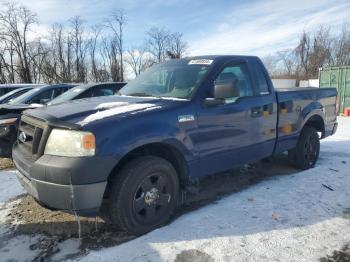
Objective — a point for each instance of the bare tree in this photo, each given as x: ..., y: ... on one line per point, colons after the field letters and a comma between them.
x: 93, y: 44
x: 116, y: 23
x: 177, y: 47
x: 58, y: 63
x: 320, y: 54
x: 109, y: 53
x: 15, y: 24
x: 38, y: 52
x: 157, y: 43
x: 340, y: 49
x: 80, y: 47
x: 303, y: 53
x: 138, y: 60
x: 289, y: 62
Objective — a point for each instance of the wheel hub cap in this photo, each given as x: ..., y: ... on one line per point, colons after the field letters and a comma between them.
x: 151, y: 196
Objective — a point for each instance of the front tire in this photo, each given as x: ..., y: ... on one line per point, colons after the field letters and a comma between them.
x: 305, y: 154
x: 144, y: 195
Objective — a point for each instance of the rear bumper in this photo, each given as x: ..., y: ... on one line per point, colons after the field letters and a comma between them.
x: 331, y: 129
x: 335, y: 128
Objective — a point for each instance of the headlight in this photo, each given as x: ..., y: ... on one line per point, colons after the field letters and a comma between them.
x: 70, y: 143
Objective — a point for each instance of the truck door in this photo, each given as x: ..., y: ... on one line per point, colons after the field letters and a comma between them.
x: 228, y: 134
x: 265, y: 110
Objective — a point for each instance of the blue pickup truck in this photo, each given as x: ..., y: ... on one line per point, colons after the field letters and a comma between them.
x: 174, y: 124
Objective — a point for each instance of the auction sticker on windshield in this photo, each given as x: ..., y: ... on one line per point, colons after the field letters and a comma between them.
x: 200, y: 62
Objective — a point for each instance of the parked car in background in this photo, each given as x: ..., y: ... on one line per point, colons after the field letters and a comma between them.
x: 10, y: 113
x: 8, y: 97
x: 5, y: 88
x: 89, y: 90
x: 176, y: 123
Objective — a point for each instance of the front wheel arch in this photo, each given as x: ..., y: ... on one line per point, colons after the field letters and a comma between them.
x: 162, y: 150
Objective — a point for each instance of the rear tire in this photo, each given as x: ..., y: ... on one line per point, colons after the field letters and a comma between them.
x: 144, y: 195
x: 305, y: 154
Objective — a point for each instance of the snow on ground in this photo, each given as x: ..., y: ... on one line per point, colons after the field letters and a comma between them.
x: 9, y: 186
x: 285, y: 218
x: 295, y: 217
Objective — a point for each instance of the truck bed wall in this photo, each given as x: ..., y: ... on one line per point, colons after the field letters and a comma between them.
x: 296, y: 106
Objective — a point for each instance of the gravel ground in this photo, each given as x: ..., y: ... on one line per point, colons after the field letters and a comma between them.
x: 6, y: 163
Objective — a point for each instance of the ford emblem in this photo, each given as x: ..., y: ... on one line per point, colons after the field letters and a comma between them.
x: 22, y: 137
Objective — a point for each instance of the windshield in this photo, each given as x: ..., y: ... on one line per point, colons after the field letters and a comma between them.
x: 176, y: 78
x: 69, y: 95
x: 13, y: 94
x: 22, y: 99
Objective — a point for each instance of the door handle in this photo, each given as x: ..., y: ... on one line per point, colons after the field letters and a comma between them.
x: 256, y: 111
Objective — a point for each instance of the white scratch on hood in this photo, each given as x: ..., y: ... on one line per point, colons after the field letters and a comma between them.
x: 111, y: 105
x: 120, y: 108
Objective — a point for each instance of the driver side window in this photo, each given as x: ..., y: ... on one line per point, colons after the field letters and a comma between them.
x: 238, y: 74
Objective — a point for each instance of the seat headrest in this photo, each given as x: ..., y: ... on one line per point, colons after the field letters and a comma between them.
x: 228, y: 76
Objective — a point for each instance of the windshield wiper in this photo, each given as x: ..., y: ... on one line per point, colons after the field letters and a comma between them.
x: 138, y: 94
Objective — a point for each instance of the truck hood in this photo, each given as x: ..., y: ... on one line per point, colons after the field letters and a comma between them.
x: 85, y: 111
x: 16, y: 108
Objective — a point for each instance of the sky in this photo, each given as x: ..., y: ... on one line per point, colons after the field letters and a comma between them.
x: 209, y: 26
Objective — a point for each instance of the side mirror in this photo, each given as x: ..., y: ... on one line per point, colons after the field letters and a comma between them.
x: 226, y: 89
x: 223, y: 89
x: 44, y: 100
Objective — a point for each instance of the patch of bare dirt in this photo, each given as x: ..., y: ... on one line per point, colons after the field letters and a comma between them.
x: 342, y: 255
x: 6, y: 163
x: 193, y: 255
x: 29, y: 217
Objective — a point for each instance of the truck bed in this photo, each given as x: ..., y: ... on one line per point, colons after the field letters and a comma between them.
x: 294, y: 105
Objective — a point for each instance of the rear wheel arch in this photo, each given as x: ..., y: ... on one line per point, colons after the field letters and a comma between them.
x: 317, y: 122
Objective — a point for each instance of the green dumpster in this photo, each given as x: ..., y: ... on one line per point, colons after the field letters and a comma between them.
x: 338, y: 77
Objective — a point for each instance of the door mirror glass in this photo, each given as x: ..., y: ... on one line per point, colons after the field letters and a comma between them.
x: 227, y: 88
x: 44, y: 100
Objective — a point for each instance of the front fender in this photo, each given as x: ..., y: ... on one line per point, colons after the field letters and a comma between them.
x: 129, y: 135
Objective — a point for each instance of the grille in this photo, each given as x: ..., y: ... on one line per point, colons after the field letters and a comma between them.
x: 31, y: 136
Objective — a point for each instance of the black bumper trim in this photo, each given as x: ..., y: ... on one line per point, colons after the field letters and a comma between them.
x: 83, y: 199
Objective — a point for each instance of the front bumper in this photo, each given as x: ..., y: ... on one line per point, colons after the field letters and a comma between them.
x: 84, y: 200
x: 63, y: 183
